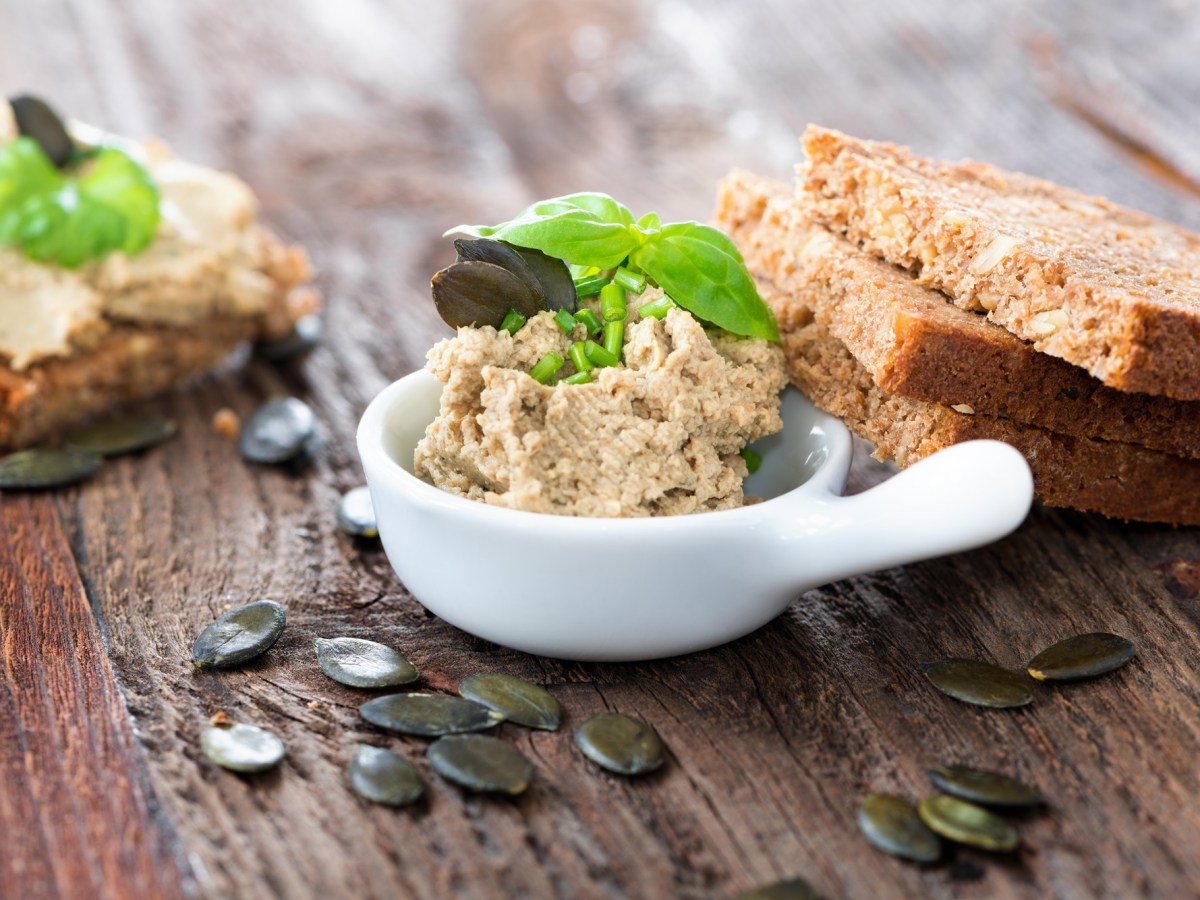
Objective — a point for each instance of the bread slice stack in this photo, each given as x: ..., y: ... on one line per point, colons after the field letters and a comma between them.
x: 930, y: 303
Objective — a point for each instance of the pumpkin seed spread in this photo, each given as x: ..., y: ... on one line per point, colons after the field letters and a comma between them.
x: 659, y: 435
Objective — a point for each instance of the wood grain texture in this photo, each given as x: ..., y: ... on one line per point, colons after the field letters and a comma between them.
x: 367, y: 128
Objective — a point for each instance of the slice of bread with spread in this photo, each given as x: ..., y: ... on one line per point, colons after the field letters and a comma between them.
x: 917, y: 344
x: 77, y: 341
x: 1106, y: 288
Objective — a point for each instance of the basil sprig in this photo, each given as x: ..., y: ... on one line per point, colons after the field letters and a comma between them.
x: 698, y: 266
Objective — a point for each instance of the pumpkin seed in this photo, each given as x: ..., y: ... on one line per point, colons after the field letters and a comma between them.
x: 620, y: 744
x: 36, y: 119
x: 382, y: 776
x: 549, y: 276
x: 963, y: 822
x: 363, y: 664
x: 481, y: 293
x: 279, y: 431
x: 114, y: 437
x: 239, y: 636
x: 982, y: 786
x: 481, y: 763
x: 892, y: 825
x: 978, y: 682
x: 516, y: 699
x: 32, y: 469
x: 792, y: 889
x: 428, y: 715
x: 299, y: 342
x: 241, y: 748
x: 1082, y: 656
x: 356, y: 513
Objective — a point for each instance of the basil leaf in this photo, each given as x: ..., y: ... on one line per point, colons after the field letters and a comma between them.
x: 700, y: 269
x: 124, y: 190
x: 604, y: 207
x: 574, y: 234
x: 649, y: 222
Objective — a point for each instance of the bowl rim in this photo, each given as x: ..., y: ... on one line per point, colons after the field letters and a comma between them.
x: 380, y: 463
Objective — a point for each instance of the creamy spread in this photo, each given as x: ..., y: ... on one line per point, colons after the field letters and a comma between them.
x: 659, y: 435
x: 206, y: 260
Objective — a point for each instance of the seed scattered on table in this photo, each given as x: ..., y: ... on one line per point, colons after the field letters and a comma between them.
x: 382, y: 776
x: 356, y: 513
x: 892, y: 825
x: 428, y: 715
x: 239, y: 635
x: 620, y: 744
x: 360, y: 663
x: 514, y: 698
x: 114, y: 437
x: 965, y: 823
x: 982, y: 786
x: 1082, y: 656
x: 241, y: 748
x: 481, y: 763
x: 980, y: 683
x: 35, y: 469
x: 279, y: 431
x: 791, y: 889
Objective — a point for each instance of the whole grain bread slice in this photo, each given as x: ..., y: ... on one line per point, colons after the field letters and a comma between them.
x: 1123, y: 481
x: 917, y: 344
x: 1107, y: 288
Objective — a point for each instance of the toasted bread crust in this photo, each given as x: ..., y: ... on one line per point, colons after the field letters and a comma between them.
x: 1109, y: 289
x: 1123, y: 481
x: 917, y: 344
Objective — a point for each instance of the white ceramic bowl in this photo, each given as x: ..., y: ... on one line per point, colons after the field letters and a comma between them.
x: 627, y: 589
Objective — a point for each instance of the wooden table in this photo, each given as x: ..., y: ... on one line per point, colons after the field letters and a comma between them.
x: 367, y: 129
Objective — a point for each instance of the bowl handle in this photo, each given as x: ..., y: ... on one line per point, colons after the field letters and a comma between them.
x: 959, y: 498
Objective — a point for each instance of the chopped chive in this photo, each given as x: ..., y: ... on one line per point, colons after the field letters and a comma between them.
x: 656, y: 308
x: 599, y: 355
x: 546, y: 367
x: 614, y: 337
x: 565, y: 321
x: 753, y: 459
x: 579, y: 378
x: 591, y: 286
x: 589, y: 319
x: 612, y: 303
x: 579, y: 357
x: 513, y: 322
x: 634, y: 281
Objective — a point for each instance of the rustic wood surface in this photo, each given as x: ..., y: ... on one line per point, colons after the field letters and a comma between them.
x: 367, y: 129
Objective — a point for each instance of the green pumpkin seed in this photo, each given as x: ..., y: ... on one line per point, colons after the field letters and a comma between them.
x: 620, y: 744
x: 240, y: 635
x: 480, y: 293
x: 1082, y: 656
x: 299, y: 342
x: 382, y: 776
x: 982, y: 786
x: 978, y: 682
x: 481, y: 763
x: 279, y: 431
x: 363, y: 664
x: 963, y: 822
x: 428, y: 715
x: 33, y: 469
x: 356, y: 513
x: 892, y: 825
x: 516, y: 699
x: 792, y: 889
x: 114, y: 437
x: 549, y: 276
x: 241, y: 748
x: 36, y: 119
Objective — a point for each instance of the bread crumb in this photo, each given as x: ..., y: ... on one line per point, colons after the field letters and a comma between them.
x: 965, y: 408
x: 220, y: 719
x: 227, y: 424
